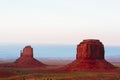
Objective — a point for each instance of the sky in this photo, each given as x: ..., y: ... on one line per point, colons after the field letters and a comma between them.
x: 59, y: 21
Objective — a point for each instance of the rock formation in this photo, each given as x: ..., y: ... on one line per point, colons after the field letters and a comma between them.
x: 26, y: 58
x: 90, y: 49
x: 27, y: 52
x: 90, y: 55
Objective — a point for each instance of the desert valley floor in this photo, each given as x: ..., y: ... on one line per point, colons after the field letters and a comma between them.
x: 51, y: 73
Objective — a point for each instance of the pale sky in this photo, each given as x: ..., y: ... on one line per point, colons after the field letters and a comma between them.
x: 59, y: 21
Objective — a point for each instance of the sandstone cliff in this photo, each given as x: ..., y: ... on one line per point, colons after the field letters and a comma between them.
x: 90, y: 55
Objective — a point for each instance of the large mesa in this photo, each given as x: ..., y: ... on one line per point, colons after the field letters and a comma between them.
x: 90, y: 49
x: 90, y: 56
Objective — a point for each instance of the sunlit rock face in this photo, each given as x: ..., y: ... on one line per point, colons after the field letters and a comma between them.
x: 90, y: 49
x: 90, y: 56
x: 26, y: 58
x: 27, y: 52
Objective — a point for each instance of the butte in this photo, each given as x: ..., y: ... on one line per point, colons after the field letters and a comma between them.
x: 90, y: 56
x: 26, y: 59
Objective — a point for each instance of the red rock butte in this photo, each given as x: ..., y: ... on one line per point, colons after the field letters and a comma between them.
x: 90, y: 49
x: 90, y: 55
x: 27, y: 60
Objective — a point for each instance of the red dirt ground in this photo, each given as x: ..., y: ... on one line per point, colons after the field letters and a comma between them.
x: 6, y: 74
